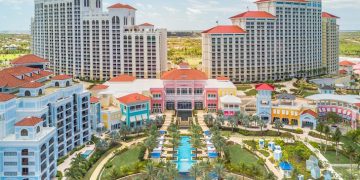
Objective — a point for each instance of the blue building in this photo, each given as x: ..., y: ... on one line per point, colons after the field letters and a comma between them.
x: 135, y: 109
x: 327, y: 90
x: 30, y: 152
x: 95, y: 115
x: 263, y: 101
x: 56, y: 111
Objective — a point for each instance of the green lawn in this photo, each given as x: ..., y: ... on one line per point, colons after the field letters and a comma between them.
x: 240, y: 155
x: 8, y: 56
x: 125, y: 159
x: 341, y: 159
x: 345, y: 172
x: 252, y: 92
x: 243, y: 87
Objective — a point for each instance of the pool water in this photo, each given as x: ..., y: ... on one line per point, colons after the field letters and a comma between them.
x: 86, y: 154
x: 184, y: 161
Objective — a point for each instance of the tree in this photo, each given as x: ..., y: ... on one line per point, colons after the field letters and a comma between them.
x: 195, y: 170
x: 320, y: 128
x: 336, y: 137
x: 246, y: 121
x: 175, y: 141
x: 124, y: 131
x: 351, y: 151
x: 278, y: 125
x: 170, y: 170
x: 219, y: 170
x: 196, y: 143
x: 150, y: 171
x: 332, y: 118
x: 233, y: 123
x: 327, y: 134
x: 261, y: 124
x: 270, y: 176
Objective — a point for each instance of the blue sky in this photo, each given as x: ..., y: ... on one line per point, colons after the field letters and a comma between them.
x: 179, y: 14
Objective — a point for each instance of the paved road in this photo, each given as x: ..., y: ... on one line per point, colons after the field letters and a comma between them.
x: 99, y: 168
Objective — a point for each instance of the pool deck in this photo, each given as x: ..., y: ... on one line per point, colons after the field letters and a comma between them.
x: 66, y: 164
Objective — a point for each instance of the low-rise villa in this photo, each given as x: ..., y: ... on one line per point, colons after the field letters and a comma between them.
x: 182, y: 90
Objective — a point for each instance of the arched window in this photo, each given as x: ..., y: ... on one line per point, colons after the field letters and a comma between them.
x: 67, y: 83
x: 25, y: 152
x: 98, y: 4
x: 27, y: 93
x: 57, y: 84
x: 38, y: 129
x: 40, y: 92
x: 24, y: 132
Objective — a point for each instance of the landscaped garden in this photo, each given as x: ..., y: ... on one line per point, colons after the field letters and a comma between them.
x: 339, y: 159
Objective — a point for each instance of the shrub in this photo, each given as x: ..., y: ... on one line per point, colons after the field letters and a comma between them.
x: 59, y: 175
x: 142, y: 153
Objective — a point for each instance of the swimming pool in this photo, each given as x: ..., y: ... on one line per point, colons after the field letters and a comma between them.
x: 184, y: 157
x: 86, y: 154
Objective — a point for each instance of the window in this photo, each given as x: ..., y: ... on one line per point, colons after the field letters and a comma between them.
x: 40, y: 92
x: 211, y: 96
x: 57, y: 84
x: 10, y: 154
x: 24, y: 132
x: 27, y: 93
x: 198, y: 91
x: 170, y: 91
x: 67, y: 83
x: 24, y: 152
x: 156, y: 96
x: 38, y: 129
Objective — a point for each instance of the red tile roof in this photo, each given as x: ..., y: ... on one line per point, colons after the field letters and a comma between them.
x: 264, y: 87
x: 347, y: 63
x: 311, y: 112
x: 230, y: 29
x: 300, y: 1
x: 31, y: 121
x: 28, y: 59
x: 146, y: 24
x: 328, y: 15
x: 184, y: 74
x: 343, y: 71
x: 61, y: 77
x: 94, y: 100
x: 6, y: 97
x: 99, y: 87
x: 223, y: 78
x: 10, y: 77
x: 133, y: 98
x: 32, y: 85
x: 121, y: 6
x: 123, y: 78
x: 254, y: 14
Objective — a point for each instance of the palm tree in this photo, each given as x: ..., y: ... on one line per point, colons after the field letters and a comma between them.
x: 246, y: 121
x: 261, y: 124
x: 170, y: 170
x: 124, y: 131
x: 196, y: 143
x: 175, y: 141
x: 270, y: 176
x: 219, y: 170
x: 150, y: 143
x: 336, y: 137
x: 150, y: 171
x: 327, y: 134
x: 233, y: 123
x: 351, y: 151
x: 114, y: 174
x: 278, y: 125
x: 195, y: 170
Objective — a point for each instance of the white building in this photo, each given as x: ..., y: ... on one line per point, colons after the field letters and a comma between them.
x: 81, y: 39
x: 330, y: 36
x: 281, y: 40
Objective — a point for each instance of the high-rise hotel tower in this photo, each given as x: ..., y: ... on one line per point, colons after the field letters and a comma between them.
x: 81, y: 39
x: 283, y: 39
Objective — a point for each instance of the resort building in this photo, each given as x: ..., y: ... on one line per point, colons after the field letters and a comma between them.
x: 80, y: 39
x: 182, y: 90
x: 347, y: 106
x: 285, y: 109
x: 346, y: 67
x: 30, y: 152
x: 330, y: 43
x: 47, y: 115
x: 282, y: 39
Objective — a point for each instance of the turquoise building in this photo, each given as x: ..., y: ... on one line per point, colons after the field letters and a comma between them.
x: 135, y: 110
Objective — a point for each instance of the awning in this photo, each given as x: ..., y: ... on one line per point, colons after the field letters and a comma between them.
x: 144, y: 116
x: 123, y: 118
x: 132, y: 119
x: 138, y: 118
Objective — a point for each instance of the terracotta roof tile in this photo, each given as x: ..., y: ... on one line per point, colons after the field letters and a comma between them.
x: 265, y: 87
x: 6, y: 97
x: 231, y: 29
x: 254, y: 14
x: 328, y: 15
x: 32, y: 85
x: 121, y: 6
x: 20, y: 75
x: 347, y: 63
x: 223, y: 78
x: 311, y: 112
x: 99, y: 87
x: 123, y: 78
x: 184, y: 74
x: 94, y: 100
x: 31, y: 121
x: 61, y: 77
x: 343, y: 71
x: 28, y: 59
x: 133, y: 98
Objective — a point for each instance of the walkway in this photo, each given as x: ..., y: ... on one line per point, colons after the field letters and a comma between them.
x: 200, y: 115
x: 101, y: 165
x: 67, y: 163
x: 167, y: 122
